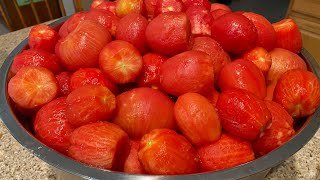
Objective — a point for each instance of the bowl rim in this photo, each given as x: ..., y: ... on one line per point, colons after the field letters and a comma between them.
x: 64, y: 163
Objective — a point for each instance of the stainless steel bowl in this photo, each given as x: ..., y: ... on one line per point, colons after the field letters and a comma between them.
x: 257, y: 169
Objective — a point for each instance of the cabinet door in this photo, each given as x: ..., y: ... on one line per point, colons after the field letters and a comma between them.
x: 23, y: 15
x: 307, y: 15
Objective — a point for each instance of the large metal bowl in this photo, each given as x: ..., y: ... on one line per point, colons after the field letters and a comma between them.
x: 21, y: 131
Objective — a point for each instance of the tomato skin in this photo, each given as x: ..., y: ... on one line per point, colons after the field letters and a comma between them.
x: 43, y: 37
x: 132, y: 28
x: 81, y: 48
x: 93, y: 76
x: 141, y: 110
x: 243, y: 74
x: 120, y: 61
x: 280, y: 131
x: 197, y: 119
x: 132, y: 164
x: 163, y: 151
x: 227, y: 152
x: 243, y: 114
x: 36, y: 57
x: 190, y: 71
x: 52, y: 127
x: 90, y: 103
x: 33, y: 87
x: 100, y: 144
x: 150, y: 75
x: 298, y: 91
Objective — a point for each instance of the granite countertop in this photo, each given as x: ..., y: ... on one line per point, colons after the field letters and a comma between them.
x: 18, y: 163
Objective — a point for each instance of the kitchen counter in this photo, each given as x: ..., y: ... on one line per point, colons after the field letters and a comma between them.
x: 18, y: 163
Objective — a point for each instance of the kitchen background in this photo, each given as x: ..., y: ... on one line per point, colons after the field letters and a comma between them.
x: 274, y: 10
x: 17, y: 14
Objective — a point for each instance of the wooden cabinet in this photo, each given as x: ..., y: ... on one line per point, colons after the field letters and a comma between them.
x: 19, y: 16
x: 307, y: 15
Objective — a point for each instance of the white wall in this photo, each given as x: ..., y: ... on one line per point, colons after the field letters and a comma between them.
x: 69, y: 7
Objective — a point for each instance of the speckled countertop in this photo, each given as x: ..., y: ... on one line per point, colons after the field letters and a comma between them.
x: 18, y: 163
